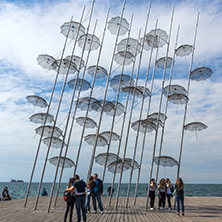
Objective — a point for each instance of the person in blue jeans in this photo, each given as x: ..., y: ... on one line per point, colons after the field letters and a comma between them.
x: 179, y: 195
x: 98, y: 191
x: 79, y: 187
x: 90, y: 192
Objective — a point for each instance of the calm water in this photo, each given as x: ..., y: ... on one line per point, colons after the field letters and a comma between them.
x: 18, y: 190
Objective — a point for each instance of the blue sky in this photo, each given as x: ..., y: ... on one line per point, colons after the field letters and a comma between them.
x: 30, y: 28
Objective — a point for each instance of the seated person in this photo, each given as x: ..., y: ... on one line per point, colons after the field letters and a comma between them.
x: 44, y: 192
x: 4, y: 194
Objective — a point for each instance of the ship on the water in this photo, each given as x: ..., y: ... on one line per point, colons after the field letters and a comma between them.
x: 12, y: 180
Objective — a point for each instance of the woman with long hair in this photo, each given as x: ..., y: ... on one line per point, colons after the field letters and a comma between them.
x: 70, y: 201
x: 168, y: 192
x: 90, y: 192
x: 162, y: 194
x: 179, y: 195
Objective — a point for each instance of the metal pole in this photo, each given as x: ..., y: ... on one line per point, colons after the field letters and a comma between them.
x: 124, y: 152
x: 50, y: 101
x: 105, y: 92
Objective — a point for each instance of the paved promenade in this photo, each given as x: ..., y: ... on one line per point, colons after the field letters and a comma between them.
x: 197, y: 209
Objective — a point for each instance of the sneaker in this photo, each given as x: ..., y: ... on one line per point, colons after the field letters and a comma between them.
x: 151, y: 208
x: 178, y: 215
x: 161, y: 208
x: 183, y: 214
x: 94, y: 212
x: 101, y: 212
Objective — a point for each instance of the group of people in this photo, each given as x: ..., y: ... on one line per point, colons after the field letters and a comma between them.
x: 80, y: 193
x: 165, y: 190
x: 5, y: 195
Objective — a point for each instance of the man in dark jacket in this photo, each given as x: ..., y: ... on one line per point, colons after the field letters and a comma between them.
x: 98, y: 191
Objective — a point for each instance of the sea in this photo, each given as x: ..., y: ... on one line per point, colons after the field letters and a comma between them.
x: 18, y: 190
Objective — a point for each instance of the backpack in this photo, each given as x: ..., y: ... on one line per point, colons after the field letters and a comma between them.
x: 66, y: 196
x: 172, y: 189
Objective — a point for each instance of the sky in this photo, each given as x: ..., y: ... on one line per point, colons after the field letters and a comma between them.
x: 31, y: 28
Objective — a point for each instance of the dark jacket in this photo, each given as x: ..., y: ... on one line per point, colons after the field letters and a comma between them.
x: 100, y: 186
x: 178, y: 192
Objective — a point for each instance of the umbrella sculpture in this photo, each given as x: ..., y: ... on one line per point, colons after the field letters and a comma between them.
x: 119, y: 109
x: 114, y: 24
x: 154, y: 120
x: 85, y: 84
x: 83, y: 102
x: 161, y: 62
x: 165, y: 161
x: 178, y: 98
x: 45, y: 61
x: 68, y: 163
x: 201, y: 74
x: 160, y: 36
x: 149, y: 42
x: 55, y: 142
x: 155, y: 115
x: 48, y: 131
x: 106, y: 134
x: 77, y: 61
x: 89, y: 38
x: 37, y: 101
x: 100, y: 72
x: 184, y: 50
x: 174, y: 89
x: 195, y: 126
x: 143, y: 125
x: 66, y: 65
x: 135, y: 166
x: 90, y: 123
x: 40, y: 118
x: 122, y: 56
x: 125, y: 81
x: 101, y: 158
x: 130, y: 45
x: 132, y: 90
x: 147, y: 91
x: 102, y: 141
x: 74, y: 27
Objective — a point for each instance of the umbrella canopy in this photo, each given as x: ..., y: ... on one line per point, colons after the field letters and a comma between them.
x: 90, y: 139
x: 160, y: 36
x: 135, y: 166
x: 144, y: 124
x: 201, y: 74
x: 45, y: 61
x: 155, y: 115
x: 174, y: 89
x: 77, y: 61
x: 37, y: 101
x: 68, y: 163
x: 132, y: 90
x: 40, y: 118
x: 147, y: 91
x: 161, y: 62
x: 85, y: 84
x: 184, y: 50
x: 149, y: 41
x: 56, y: 142
x: 114, y: 24
x: 125, y: 81
x: 89, y: 38
x: 121, y: 56
x: 101, y: 158
x: 100, y: 72
x: 130, y: 45
x: 90, y: 123
x: 165, y: 161
x: 178, y: 98
x: 48, y: 131
x: 106, y: 134
x: 119, y: 109
x: 74, y: 27
x: 83, y: 102
x: 155, y: 120
x: 118, y: 165
x: 66, y: 65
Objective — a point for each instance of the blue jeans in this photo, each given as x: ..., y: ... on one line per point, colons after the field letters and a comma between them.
x: 180, y: 199
x: 98, y: 197
x: 87, y: 205
x: 80, y: 204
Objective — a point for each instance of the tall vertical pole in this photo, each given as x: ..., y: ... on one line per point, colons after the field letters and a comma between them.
x: 49, y: 105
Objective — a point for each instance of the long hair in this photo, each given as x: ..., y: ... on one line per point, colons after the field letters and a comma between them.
x: 90, y: 181
x: 179, y: 183
x: 71, y: 181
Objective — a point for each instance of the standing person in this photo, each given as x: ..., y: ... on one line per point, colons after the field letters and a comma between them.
x: 168, y: 192
x: 162, y: 194
x: 98, y: 191
x: 152, y: 193
x: 70, y: 201
x: 89, y: 193
x: 179, y: 195
x: 110, y: 191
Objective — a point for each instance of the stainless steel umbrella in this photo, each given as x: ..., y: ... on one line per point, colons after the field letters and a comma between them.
x: 68, y: 163
x: 201, y: 74
x: 125, y: 81
x: 90, y: 123
x: 100, y: 72
x: 160, y: 36
x: 89, y: 38
x: 161, y: 62
x: 102, y: 141
x: 174, y: 89
x: 119, y: 109
x: 65, y: 66
x: 184, y: 50
x: 77, y: 61
x: 37, y: 101
x: 144, y: 125
x: 147, y: 91
x: 178, y: 98
x: 106, y: 134
x: 165, y: 161
x: 125, y: 56
x: 45, y: 61
x: 118, y: 165
x: 101, y: 158
x: 149, y: 41
x: 85, y: 84
x: 162, y: 117
x: 74, y: 26
x: 83, y: 102
x: 55, y: 142
x: 40, y: 118
x: 48, y: 131
x: 132, y: 90
x: 114, y: 24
